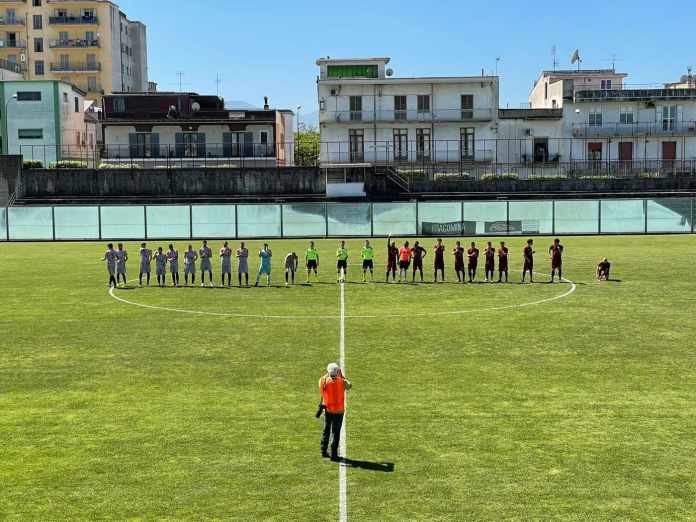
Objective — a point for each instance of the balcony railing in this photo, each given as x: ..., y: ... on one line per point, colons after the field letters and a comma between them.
x: 76, y: 67
x: 11, y: 66
x: 73, y: 20
x: 74, y: 44
x: 663, y: 128
x: 11, y: 21
x: 408, y: 116
x: 191, y: 150
x: 13, y: 44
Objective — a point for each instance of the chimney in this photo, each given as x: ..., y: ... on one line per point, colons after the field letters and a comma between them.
x: 265, y: 103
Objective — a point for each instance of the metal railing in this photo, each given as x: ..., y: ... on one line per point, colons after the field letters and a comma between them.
x: 13, y: 44
x: 407, y: 115
x: 11, y: 21
x: 660, y: 128
x: 76, y: 67
x: 11, y: 66
x: 73, y: 20
x: 76, y: 43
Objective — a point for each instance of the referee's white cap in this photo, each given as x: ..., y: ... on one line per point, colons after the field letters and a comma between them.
x: 332, y: 369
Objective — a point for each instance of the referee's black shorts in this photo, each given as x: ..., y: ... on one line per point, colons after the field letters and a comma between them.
x: 312, y: 264
x: 368, y: 264
x: 342, y: 265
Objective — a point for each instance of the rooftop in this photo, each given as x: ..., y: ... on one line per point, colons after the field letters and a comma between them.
x: 530, y: 114
x: 635, y: 94
x: 581, y: 72
x: 334, y: 61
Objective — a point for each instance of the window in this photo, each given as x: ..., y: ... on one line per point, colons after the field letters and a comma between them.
x: 626, y: 115
x: 423, y: 144
x: 92, y: 83
x: 36, y: 3
x: 23, y: 96
x: 401, y: 144
x: 356, y: 142
x: 38, y: 22
x: 264, y: 149
x: 89, y: 36
x: 63, y: 37
x: 238, y: 144
x: 467, y: 106
x: 11, y: 16
x: 669, y: 116
x: 119, y: 105
x: 77, y: 104
x: 38, y: 45
x: 190, y: 145
x: 423, y: 103
x: 355, y: 103
x: 351, y: 71
x: 30, y: 134
x: 64, y: 61
x: 65, y: 97
x: 39, y: 68
x: 595, y: 118
x: 605, y: 85
x: 400, y: 112
x: 594, y: 152
x: 546, y: 91
x: 143, y: 145
x: 466, y: 138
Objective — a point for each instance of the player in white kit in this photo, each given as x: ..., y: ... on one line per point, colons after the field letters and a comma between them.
x: 190, y: 258
x: 243, y: 264
x: 111, y: 257
x: 160, y: 266
x: 173, y: 258
x: 205, y: 254
x: 121, y: 264
x: 226, y: 263
x: 145, y: 258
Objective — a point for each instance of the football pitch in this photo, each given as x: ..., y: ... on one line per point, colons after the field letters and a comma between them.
x: 570, y: 401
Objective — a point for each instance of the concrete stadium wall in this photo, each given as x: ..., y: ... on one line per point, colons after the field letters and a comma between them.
x: 39, y: 183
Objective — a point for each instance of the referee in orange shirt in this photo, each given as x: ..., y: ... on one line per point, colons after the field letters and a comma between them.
x: 333, y: 387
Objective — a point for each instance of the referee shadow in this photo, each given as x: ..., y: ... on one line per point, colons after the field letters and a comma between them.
x: 384, y: 467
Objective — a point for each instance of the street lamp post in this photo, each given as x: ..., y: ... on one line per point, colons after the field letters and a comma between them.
x: 7, y: 120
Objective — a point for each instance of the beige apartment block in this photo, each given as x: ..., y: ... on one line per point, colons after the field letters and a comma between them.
x: 88, y: 43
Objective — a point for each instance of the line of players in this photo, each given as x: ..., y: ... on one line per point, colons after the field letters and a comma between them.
x: 403, y: 259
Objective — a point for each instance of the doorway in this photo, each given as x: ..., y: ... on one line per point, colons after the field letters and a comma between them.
x: 669, y: 154
x: 541, y: 150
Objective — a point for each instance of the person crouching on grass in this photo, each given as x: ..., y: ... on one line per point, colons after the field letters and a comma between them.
x: 333, y: 386
x: 291, y: 264
x: 603, y: 269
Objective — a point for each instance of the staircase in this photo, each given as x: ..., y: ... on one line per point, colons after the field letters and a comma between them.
x: 398, y: 181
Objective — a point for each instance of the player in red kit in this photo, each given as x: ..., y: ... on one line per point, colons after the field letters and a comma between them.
x: 459, y: 261
x: 392, y: 258
x: 502, y: 262
x: 528, y: 254
x: 473, y: 254
x: 418, y: 253
x: 556, y: 254
x: 439, y: 263
x: 490, y: 262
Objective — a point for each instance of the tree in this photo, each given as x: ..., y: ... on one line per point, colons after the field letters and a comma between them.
x: 307, y: 147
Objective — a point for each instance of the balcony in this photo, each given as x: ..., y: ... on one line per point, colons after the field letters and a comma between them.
x: 76, y: 67
x: 13, y: 2
x: 11, y: 21
x: 74, y: 44
x: 12, y: 66
x: 73, y: 20
x: 13, y: 44
x: 408, y: 116
x: 98, y: 89
x: 663, y: 128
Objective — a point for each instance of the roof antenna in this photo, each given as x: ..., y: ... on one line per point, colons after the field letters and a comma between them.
x: 555, y: 59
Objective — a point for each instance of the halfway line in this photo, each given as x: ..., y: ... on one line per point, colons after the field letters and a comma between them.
x: 342, y: 480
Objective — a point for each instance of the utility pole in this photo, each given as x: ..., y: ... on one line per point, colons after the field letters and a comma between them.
x: 218, y: 84
x: 180, y: 75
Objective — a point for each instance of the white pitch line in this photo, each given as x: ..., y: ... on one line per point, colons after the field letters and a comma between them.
x: 342, y: 471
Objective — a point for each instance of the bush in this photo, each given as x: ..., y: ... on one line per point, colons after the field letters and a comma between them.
x: 500, y: 177
x: 68, y: 164
x: 114, y: 166
x: 32, y: 164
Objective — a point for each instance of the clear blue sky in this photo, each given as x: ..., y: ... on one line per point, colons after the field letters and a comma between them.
x: 269, y: 47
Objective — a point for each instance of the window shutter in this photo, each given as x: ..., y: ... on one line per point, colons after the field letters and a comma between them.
x: 200, y: 140
x: 133, y: 145
x: 155, y: 145
x: 179, y: 140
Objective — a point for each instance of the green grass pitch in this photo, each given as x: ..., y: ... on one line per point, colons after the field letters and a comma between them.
x: 578, y: 408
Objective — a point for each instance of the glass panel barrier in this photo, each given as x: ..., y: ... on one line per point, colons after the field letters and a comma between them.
x: 77, y: 222
x: 30, y: 223
x: 486, y: 217
x: 577, y: 217
x: 304, y: 219
x: 213, y: 221
x: 398, y: 219
x: 445, y: 212
x: 669, y: 215
x: 623, y: 216
x: 123, y: 222
x: 168, y: 222
x: 258, y: 221
x: 3, y: 224
x: 349, y: 219
x: 531, y: 217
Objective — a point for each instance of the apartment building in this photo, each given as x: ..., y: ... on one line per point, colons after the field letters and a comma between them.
x: 553, y: 87
x: 45, y: 121
x: 87, y: 43
x: 368, y: 115
x: 161, y: 128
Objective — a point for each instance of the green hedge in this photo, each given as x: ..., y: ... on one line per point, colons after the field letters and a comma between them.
x: 32, y: 164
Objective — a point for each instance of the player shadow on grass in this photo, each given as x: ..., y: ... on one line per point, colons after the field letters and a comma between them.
x: 385, y: 467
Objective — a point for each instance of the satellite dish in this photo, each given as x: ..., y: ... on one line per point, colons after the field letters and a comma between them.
x: 195, y: 107
x: 390, y: 72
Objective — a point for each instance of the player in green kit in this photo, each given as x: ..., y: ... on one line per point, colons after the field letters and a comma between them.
x: 312, y: 261
x: 342, y: 262
x: 368, y: 257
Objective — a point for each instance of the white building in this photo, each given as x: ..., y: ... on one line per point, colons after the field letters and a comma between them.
x: 368, y: 116
x: 553, y: 87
